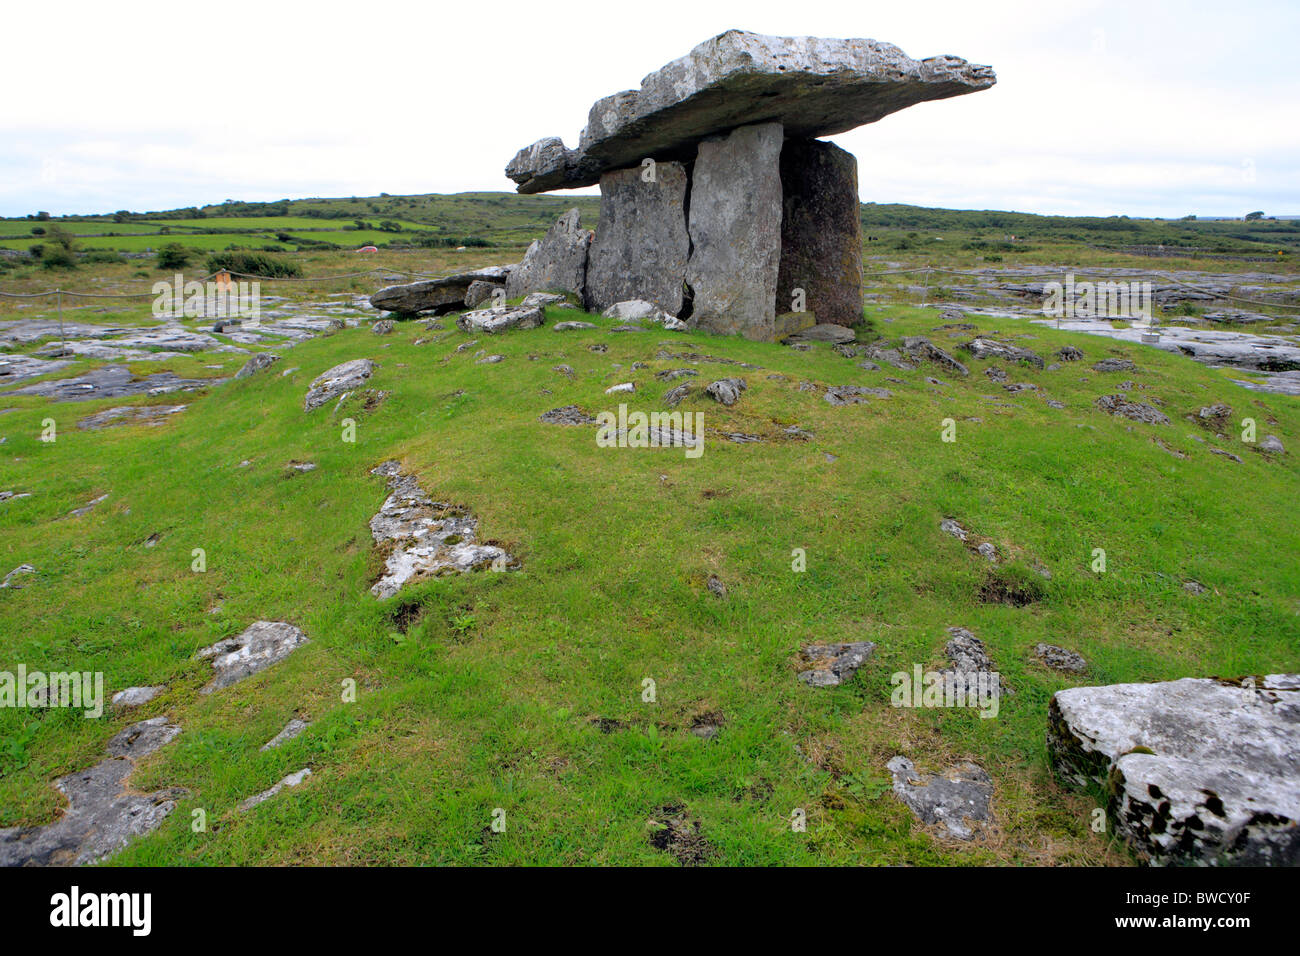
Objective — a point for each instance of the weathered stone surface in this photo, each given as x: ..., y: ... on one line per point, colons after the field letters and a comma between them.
x: 841, y: 395
x: 571, y: 326
x: 641, y: 248
x: 480, y: 291
x: 291, y: 780
x: 923, y: 350
x: 725, y: 391
x: 137, y: 696
x: 426, y: 538
x: 567, y: 415
x: 1060, y: 659
x: 104, y: 813
x: 639, y: 310
x: 382, y: 327
x: 821, y: 232
x: 555, y: 263
x: 828, y: 665
x: 1200, y: 770
x: 333, y: 382
x: 260, y: 645
x: 983, y: 348
x: 951, y: 799
x: 259, y: 362
x: 435, y: 295
x: 500, y: 319
x: 813, y: 86
x: 823, y: 332
x: 129, y: 415
x: 735, y: 230
x: 292, y: 729
x: 111, y: 381
x: 1120, y: 406
x: 17, y: 577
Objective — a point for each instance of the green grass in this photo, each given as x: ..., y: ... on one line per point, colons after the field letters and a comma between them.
x: 488, y: 699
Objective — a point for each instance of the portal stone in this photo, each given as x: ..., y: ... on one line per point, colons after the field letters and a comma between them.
x: 735, y: 229
x: 641, y: 248
x: 555, y: 263
x: 821, y: 232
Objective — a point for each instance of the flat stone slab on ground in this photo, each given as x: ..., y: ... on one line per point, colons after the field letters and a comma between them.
x: 103, y: 814
x: 261, y: 644
x: 426, y: 538
x: 1200, y: 770
x: 951, y: 799
x: 111, y: 381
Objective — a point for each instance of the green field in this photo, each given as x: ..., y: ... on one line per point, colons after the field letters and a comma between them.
x: 523, y: 690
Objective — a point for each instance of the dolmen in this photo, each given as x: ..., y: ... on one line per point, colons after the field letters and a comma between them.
x: 719, y: 204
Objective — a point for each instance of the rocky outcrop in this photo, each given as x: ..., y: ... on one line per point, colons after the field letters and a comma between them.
x: 555, y: 263
x: 735, y: 229
x: 260, y: 645
x: 104, y: 812
x: 641, y: 248
x: 810, y: 85
x: 1199, y: 770
x: 829, y: 665
x: 334, y: 382
x: 426, y: 538
x: 501, y: 319
x: 821, y: 233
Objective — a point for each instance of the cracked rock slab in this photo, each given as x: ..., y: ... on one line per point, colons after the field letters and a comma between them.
x: 426, y: 538
x: 103, y: 814
x: 1121, y: 407
x: 261, y: 644
x: 952, y: 799
x: 1199, y: 770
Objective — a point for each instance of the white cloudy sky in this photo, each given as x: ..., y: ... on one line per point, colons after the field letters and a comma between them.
x: 1101, y: 108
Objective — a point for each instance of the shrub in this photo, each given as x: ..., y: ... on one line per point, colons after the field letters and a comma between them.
x: 174, y: 256
x: 254, y: 264
x: 105, y: 256
x: 58, y: 257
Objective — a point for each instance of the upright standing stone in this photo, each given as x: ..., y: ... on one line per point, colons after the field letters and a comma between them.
x: 735, y: 229
x: 555, y: 263
x: 821, y: 232
x: 641, y: 248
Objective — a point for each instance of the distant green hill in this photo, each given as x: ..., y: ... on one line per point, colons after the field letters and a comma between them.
x: 510, y: 219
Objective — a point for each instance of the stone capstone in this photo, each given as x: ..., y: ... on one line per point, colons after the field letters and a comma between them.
x: 811, y: 85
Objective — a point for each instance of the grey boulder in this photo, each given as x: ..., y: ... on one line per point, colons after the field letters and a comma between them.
x: 1199, y: 770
